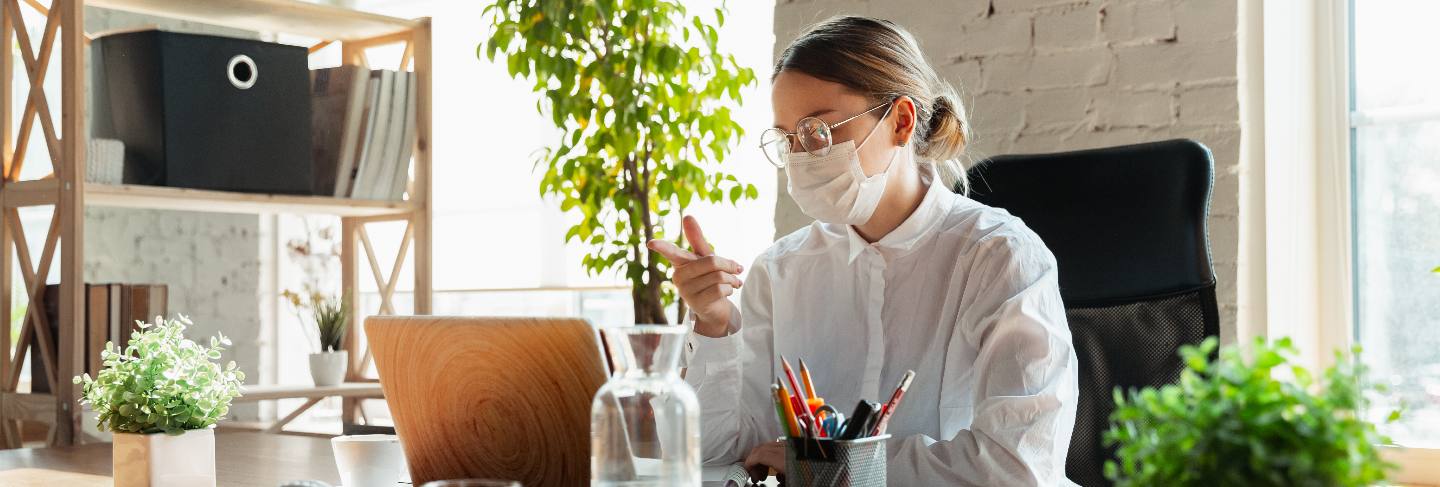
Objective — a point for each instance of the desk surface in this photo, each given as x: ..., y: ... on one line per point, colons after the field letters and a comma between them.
x: 241, y: 459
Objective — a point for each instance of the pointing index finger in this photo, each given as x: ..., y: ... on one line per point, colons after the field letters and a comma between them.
x: 696, y: 237
x: 671, y: 251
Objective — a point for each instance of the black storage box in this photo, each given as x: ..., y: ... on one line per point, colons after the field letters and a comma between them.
x: 207, y: 112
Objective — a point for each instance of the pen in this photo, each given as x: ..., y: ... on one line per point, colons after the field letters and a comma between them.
x: 893, y: 402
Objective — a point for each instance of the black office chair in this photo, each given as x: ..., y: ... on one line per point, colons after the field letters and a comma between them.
x: 1127, y: 227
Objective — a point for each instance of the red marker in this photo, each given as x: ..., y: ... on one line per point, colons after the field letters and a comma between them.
x: 890, y: 406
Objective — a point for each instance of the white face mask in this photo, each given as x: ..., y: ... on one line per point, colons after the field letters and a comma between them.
x: 833, y: 188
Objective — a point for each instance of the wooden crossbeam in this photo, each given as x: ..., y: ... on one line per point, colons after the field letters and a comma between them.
x: 35, y: 322
x: 38, y: 7
x: 384, y: 40
x: 408, y: 57
x: 395, y: 268
x: 317, y: 47
x: 279, y: 426
x: 35, y: 103
x: 386, y: 285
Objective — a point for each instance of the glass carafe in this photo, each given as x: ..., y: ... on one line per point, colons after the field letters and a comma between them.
x: 645, y: 421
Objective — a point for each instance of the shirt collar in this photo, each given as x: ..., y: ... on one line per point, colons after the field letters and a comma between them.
x: 909, y: 233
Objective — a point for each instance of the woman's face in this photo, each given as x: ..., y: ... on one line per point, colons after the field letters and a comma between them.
x: 798, y: 95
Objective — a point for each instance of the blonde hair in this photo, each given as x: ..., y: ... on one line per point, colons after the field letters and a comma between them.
x: 880, y: 60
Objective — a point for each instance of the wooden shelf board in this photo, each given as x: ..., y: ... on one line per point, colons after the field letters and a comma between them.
x: 288, y: 16
x: 347, y: 389
x: 163, y: 198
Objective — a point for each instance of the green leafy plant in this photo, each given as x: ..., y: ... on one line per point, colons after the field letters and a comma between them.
x: 317, y: 253
x: 162, y: 382
x: 642, y: 96
x: 1232, y: 422
x: 330, y: 316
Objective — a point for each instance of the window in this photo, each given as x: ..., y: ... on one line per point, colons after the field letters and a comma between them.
x: 498, y: 247
x: 1395, y: 166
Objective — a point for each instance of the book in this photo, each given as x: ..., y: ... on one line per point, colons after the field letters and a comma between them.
x: 407, y: 142
x: 338, y: 98
x: 113, y: 319
x: 97, y: 323
x: 141, y: 302
x: 372, y: 156
x: 390, y: 159
x: 110, y: 314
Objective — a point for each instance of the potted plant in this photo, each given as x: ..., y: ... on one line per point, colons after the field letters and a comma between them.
x: 328, y: 366
x: 1249, y: 421
x: 642, y: 95
x: 316, y: 253
x: 161, y: 397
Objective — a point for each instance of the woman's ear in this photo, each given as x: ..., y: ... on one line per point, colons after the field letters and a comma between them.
x: 905, y: 117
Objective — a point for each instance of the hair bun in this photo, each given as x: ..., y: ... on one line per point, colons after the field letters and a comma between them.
x: 940, y: 109
x: 945, y: 131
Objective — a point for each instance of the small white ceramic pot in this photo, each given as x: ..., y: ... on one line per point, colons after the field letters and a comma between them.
x: 328, y: 368
x: 161, y: 460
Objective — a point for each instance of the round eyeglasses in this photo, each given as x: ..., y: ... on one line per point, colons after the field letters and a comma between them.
x: 813, y: 133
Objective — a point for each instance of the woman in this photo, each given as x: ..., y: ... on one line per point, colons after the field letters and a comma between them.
x: 898, y: 273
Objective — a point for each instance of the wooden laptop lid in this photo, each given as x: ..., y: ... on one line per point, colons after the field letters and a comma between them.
x: 502, y: 398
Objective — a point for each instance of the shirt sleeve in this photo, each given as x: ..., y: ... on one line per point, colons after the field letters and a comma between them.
x: 732, y: 375
x: 1024, y: 377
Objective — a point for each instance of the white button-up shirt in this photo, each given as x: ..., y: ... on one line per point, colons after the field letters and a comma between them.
x: 963, y: 294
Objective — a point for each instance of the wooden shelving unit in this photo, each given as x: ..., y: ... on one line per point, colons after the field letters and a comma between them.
x: 66, y: 191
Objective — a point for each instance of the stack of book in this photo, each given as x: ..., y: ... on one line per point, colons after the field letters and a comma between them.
x: 363, y: 126
x: 111, y: 311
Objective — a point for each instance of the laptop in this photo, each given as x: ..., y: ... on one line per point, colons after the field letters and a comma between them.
x: 500, y: 398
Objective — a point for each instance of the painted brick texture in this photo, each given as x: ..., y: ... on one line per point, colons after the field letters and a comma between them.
x: 1055, y: 75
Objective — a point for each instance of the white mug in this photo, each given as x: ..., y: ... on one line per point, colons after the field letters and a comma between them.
x: 369, y: 460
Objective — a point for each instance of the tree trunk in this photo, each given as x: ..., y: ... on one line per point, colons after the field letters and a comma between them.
x: 649, y: 309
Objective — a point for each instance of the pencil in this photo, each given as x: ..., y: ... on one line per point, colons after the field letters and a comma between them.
x: 790, y: 374
x: 779, y: 407
x: 809, y: 385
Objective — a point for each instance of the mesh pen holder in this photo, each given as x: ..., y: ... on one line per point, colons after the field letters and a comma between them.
x: 839, y: 463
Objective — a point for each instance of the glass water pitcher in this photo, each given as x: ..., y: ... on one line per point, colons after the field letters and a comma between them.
x: 645, y: 421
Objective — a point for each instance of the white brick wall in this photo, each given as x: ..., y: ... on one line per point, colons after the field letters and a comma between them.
x: 1054, y: 75
x: 210, y: 262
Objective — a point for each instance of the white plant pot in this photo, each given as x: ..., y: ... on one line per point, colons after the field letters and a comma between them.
x: 161, y: 460
x: 328, y: 368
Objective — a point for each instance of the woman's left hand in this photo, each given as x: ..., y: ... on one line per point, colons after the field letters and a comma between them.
x: 770, y: 455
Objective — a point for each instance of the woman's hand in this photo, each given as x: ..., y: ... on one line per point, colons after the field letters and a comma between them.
x: 705, y: 280
x: 764, y: 457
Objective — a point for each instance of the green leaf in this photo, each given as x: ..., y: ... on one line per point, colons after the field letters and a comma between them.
x: 151, y: 387
x: 643, y: 111
x: 1230, y: 421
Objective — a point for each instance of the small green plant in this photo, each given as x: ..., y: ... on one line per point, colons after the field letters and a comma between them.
x: 330, y: 317
x: 1232, y: 422
x: 162, y: 382
x: 329, y: 314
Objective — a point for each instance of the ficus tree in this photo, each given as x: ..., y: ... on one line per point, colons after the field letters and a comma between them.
x: 643, y: 97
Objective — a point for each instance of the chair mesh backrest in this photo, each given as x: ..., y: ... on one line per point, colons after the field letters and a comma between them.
x: 1127, y: 227
x: 1128, y: 346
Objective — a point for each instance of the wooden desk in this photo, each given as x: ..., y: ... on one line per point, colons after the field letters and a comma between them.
x: 241, y: 459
